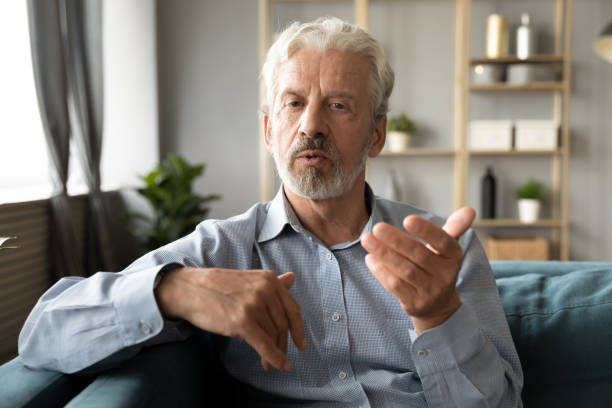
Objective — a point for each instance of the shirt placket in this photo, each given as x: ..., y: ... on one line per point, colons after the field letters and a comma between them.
x: 335, y: 323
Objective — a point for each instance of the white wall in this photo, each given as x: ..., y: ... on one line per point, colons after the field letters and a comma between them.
x: 591, y: 123
x: 131, y: 136
x: 208, y: 65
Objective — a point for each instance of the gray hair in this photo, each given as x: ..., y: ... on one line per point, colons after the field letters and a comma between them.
x: 330, y: 33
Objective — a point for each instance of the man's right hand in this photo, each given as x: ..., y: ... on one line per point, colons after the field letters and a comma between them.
x: 255, y: 305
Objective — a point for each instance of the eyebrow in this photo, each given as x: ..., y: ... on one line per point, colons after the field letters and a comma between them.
x: 341, y: 94
x: 290, y: 92
x: 333, y: 94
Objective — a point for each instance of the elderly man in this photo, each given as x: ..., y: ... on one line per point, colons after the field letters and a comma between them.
x: 320, y: 297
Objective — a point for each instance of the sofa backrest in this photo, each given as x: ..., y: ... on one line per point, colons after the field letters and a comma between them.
x: 560, y: 316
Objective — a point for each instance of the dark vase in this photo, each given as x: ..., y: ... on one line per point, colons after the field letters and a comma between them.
x: 487, y: 195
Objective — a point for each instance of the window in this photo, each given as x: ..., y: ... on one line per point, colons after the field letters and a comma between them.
x: 24, y: 161
x: 130, y: 104
x: 23, y: 151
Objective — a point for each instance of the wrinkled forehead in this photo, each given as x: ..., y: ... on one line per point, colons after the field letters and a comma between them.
x: 329, y: 70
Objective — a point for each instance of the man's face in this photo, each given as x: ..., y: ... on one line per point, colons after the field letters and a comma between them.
x: 320, y: 129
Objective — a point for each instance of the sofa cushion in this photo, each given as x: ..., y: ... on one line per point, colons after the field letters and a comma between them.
x: 560, y: 316
x: 22, y: 387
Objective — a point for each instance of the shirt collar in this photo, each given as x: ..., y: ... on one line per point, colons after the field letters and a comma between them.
x: 281, y: 213
x: 276, y: 218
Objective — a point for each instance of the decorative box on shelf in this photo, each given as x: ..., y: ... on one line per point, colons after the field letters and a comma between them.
x: 527, y: 73
x: 490, y: 135
x: 536, y: 135
x: 529, y: 248
x: 485, y: 74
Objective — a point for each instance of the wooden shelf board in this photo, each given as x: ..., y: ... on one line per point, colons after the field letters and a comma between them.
x: 418, y: 152
x: 533, y: 86
x: 514, y: 222
x: 514, y: 152
x: 536, y: 59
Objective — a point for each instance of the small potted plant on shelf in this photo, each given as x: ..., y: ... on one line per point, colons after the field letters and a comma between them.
x: 400, y: 130
x: 529, y: 196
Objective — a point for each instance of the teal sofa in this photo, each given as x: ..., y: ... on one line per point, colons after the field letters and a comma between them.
x: 559, y: 313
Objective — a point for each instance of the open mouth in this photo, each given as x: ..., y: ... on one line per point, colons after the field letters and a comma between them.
x: 312, y: 155
x: 311, y: 158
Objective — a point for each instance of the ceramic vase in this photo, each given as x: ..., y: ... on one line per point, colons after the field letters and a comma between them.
x: 398, y: 141
x: 529, y: 210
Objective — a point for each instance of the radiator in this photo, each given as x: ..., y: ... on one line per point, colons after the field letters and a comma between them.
x: 24, y: 272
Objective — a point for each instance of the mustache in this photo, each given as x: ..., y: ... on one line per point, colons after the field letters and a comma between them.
x: 321, y: 143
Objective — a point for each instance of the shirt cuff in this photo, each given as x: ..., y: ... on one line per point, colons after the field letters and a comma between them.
x: 137, y: 312
x: 446, y: 346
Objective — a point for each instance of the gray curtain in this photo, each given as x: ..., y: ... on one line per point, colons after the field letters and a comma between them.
x: 52, y: 93
x: 66, y: 37
x: 82, y: 22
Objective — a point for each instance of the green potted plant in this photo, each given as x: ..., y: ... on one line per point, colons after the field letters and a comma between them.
x: 400, y: 129
x: 529, y: 195
x: 177, y: 209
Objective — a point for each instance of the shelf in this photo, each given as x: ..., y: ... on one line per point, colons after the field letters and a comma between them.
x: 556, y: 88
x: 534, y: 86
x: 418, y: 152
x: 514, y: 222
x: 514, y: 152
x: 458, y: 152
x: 308, y: 1
x: 536, y: 59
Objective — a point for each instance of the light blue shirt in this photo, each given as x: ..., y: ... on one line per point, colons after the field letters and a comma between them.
x: 362, y: 347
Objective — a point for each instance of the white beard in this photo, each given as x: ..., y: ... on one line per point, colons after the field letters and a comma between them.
x: 311, y: 183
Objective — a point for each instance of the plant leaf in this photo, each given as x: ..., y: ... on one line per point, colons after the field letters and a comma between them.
x: 168, y: 188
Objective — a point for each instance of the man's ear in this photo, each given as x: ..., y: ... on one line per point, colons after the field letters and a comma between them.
x: 379, y: 135
x: 267, y: 131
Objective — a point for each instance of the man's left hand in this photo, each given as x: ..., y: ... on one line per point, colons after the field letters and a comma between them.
x: 422, y: 277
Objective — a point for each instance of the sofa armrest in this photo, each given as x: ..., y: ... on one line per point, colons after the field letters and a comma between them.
x: 183, y: 374
x: 22, y: 386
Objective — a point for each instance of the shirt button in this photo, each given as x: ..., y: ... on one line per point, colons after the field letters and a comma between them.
x: 423, y: 352
x: 335, y: 317
x: 144, y: 327
x: 329, y: 256
x: 342, y: 375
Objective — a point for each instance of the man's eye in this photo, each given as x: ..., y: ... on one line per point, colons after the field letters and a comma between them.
x: 338, y: 105
x: 294, y: 104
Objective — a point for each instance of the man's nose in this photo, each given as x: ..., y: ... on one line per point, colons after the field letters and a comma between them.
x: 313, y: 122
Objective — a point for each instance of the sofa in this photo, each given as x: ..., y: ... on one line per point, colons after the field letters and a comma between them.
x: 559, y: 313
